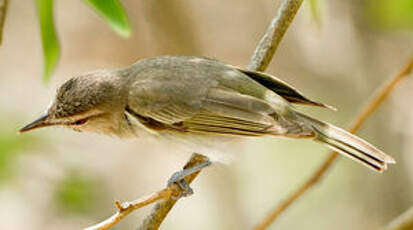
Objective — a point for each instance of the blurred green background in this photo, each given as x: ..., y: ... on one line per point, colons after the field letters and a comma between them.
x: 337, y: 52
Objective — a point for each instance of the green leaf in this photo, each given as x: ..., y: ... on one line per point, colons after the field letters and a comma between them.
x: 114, y: 14
x: 51, y: 50
x: 11, y: 147
x: 394, y: 14
x: 76, y: 193
x: 315, y: 10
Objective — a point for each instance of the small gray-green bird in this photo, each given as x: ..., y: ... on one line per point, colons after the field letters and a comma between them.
x: 186, y: 98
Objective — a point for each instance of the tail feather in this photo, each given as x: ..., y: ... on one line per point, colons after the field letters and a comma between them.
x: 349, y: 144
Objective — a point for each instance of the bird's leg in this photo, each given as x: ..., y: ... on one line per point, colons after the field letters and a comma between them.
x: 179, y: 178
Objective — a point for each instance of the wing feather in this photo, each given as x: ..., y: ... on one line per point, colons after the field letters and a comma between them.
x: 283, y: 89
x: 228, y: 112
x: 210, y: 119
x: 208, y: 129
x: 196, y: 107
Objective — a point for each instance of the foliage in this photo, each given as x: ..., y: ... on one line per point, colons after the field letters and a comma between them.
x: 76, y: 193
x: 114, y: 14
x: 111, y: 10
x: 51, y: 50
x: 395, y: 14
x: 10, y: 146
x: 315, y: 10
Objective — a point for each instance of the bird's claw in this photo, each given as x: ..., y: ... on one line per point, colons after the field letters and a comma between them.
x: 179, y: 179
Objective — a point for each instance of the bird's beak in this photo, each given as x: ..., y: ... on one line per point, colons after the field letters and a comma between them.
x: 42, y: 121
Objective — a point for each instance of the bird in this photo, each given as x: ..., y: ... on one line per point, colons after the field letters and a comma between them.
x: 185, y: 98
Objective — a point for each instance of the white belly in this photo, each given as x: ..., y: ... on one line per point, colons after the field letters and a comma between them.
x: 219, y: 148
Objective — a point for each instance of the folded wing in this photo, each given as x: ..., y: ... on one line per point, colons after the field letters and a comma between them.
x: 281, y: 88
x: 216, y: 111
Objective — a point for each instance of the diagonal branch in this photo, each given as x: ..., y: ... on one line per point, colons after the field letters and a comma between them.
x: 402, y: 222
x: 375, y: 102
x: 3, y: 11
x: 167, y: 197
x: 126, y: 208
x: 162, y: 208
x: 269, y: 42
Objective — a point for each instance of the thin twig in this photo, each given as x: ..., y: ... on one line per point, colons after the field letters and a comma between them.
x: 126, y: 208
x: 374, y: 103
x: 162, y: 208
x: 269, y: 42
x: 3, y: 11
x: 402, y: 222
x: 169, y: 196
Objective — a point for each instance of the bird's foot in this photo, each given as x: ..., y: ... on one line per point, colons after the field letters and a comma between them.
x: 179, y: 179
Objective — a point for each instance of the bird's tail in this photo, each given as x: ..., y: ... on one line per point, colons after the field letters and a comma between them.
x: 349, y: 145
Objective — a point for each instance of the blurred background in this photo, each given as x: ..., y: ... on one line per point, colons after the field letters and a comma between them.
x: 335, y: 51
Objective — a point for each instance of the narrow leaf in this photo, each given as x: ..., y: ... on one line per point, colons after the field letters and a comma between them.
x: 315, y: 10
x: 51, y: 50
x: 114, y: 14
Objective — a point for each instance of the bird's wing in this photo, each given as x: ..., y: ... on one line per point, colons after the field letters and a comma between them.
x: 206, y: 108
x: 227, y: 112
x: 166, y: 101
x: 281, y: 88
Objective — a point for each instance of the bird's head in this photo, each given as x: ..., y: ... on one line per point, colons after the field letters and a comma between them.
x: 91, y: 102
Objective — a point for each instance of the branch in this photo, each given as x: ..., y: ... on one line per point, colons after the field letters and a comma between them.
x: 402, y: 222
x: 3, y: 11
x: 269, y: 42
x: 375, y: 102
x: 161, y: 209
x: 126, y: 208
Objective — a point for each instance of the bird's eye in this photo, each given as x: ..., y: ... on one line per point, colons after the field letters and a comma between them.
x: 80, y: 122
